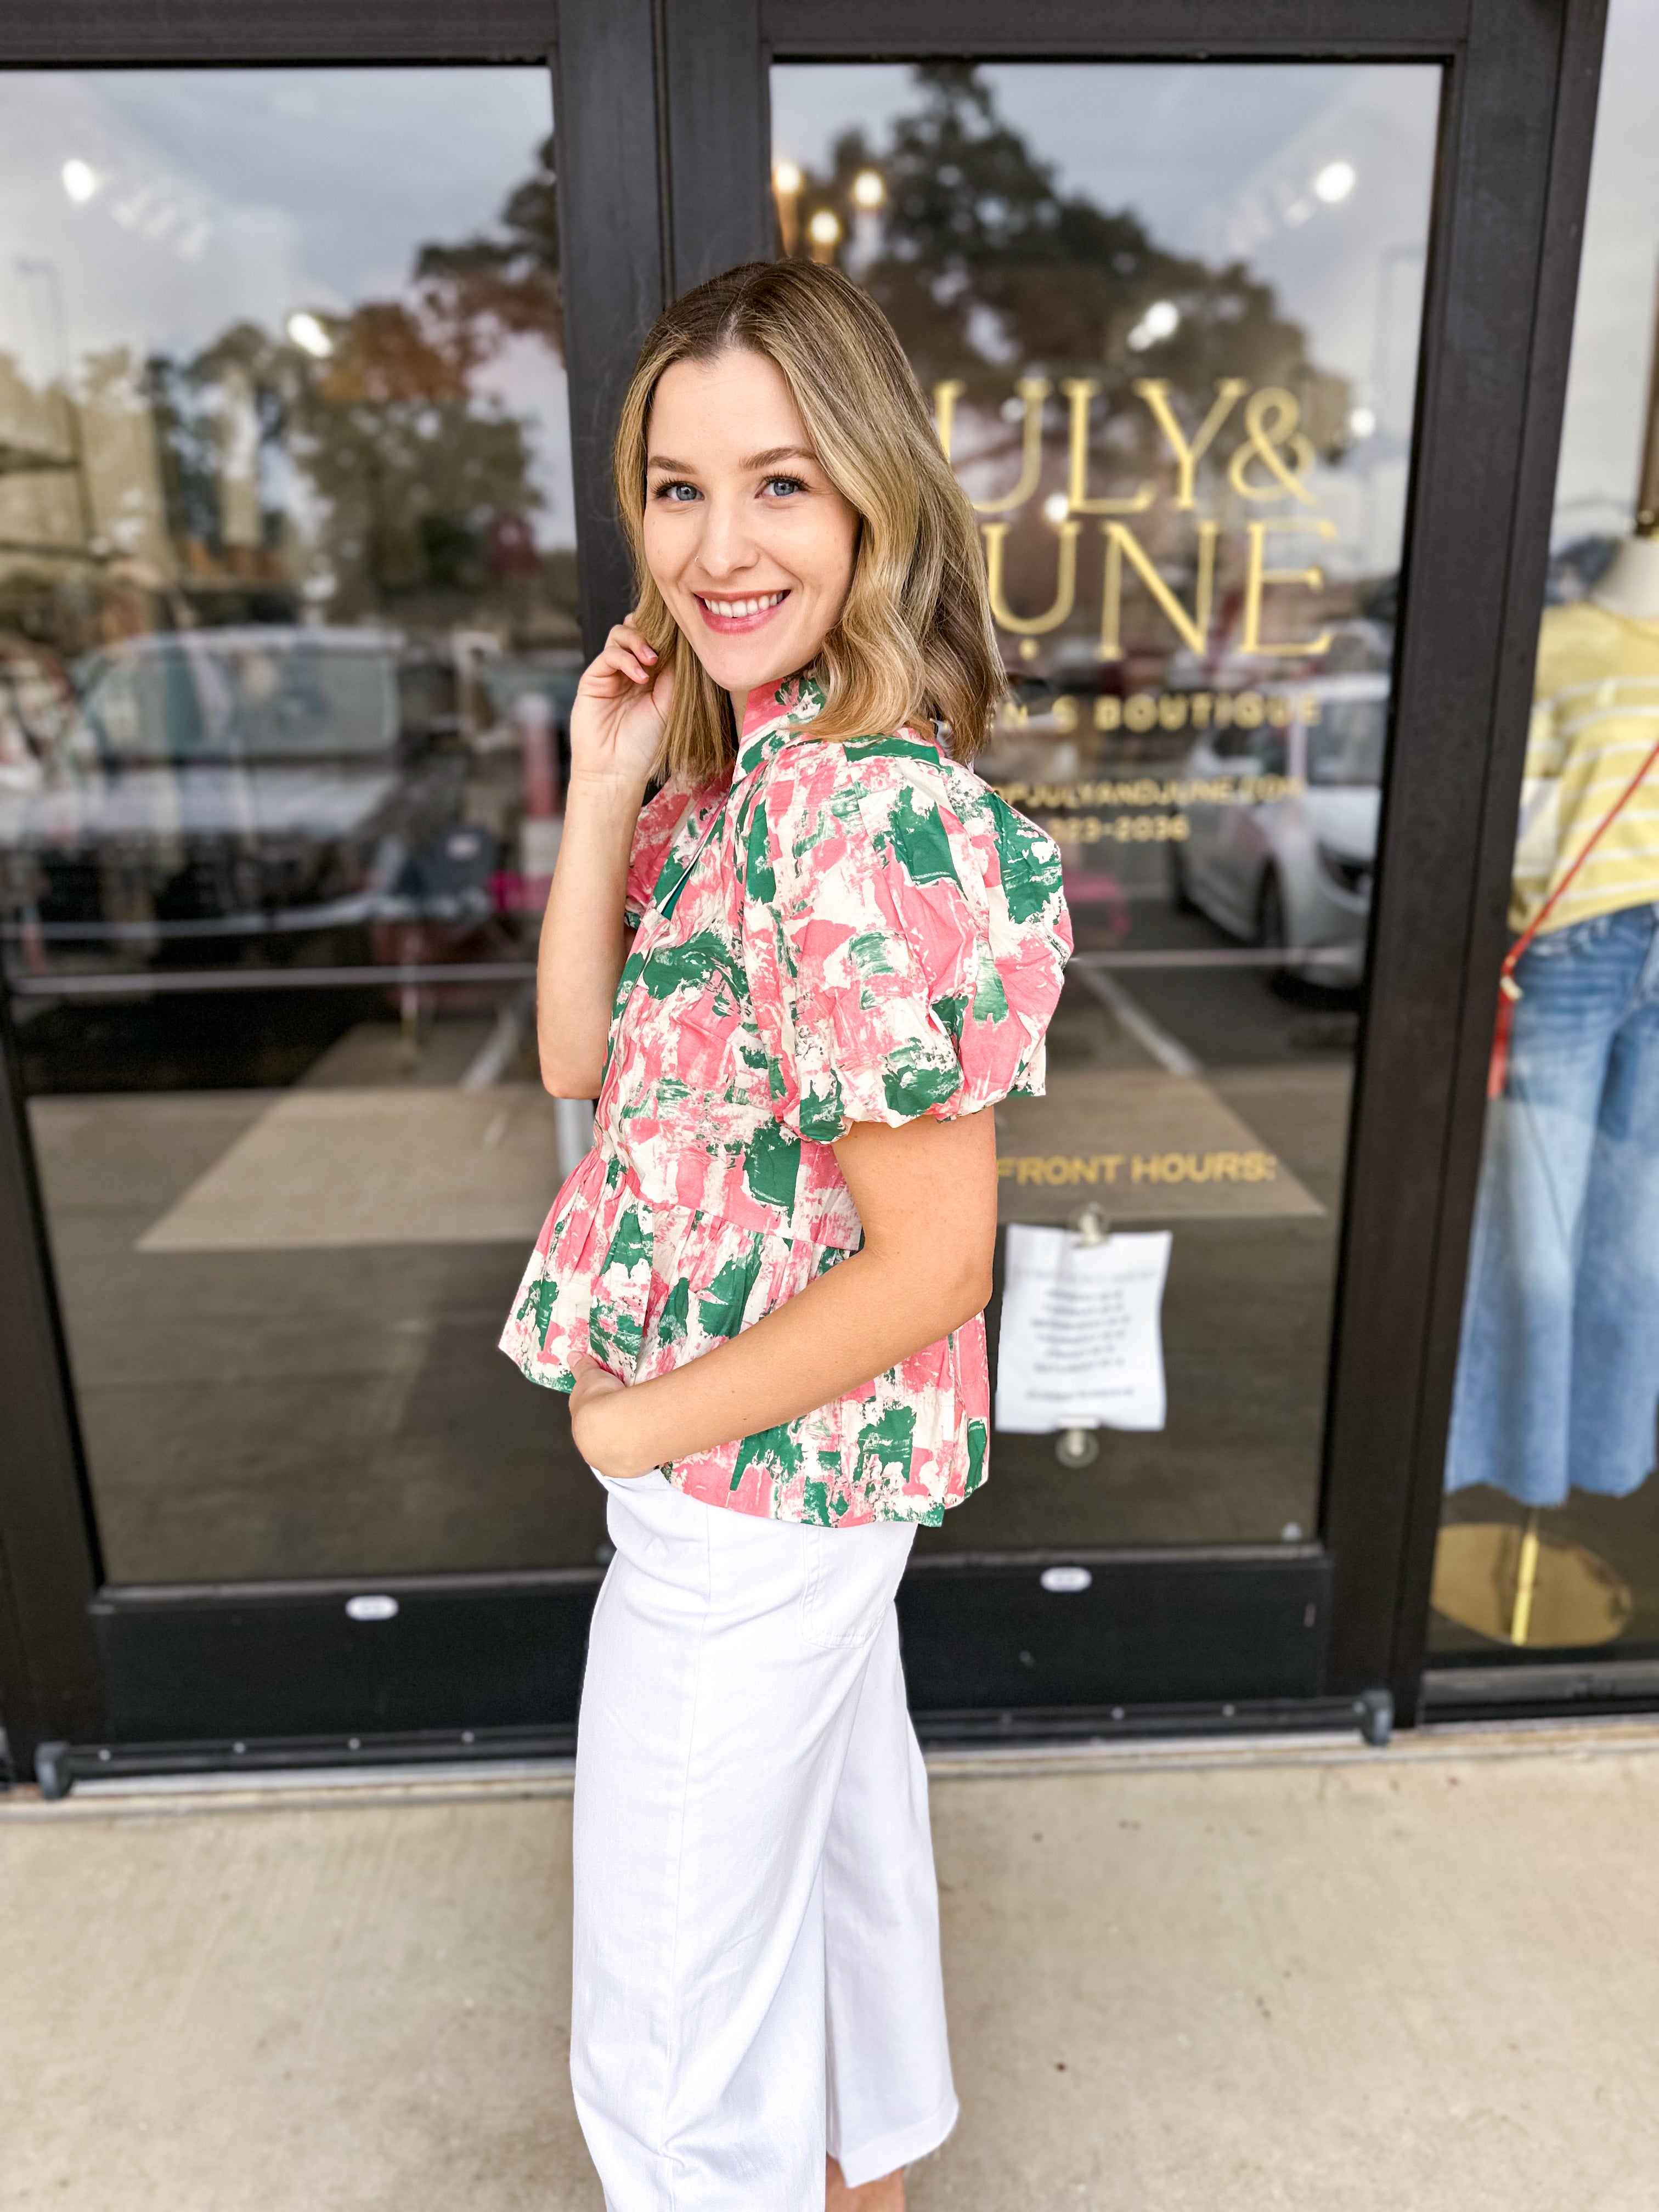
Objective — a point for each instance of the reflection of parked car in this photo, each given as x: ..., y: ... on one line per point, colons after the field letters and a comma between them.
x: 226, y: 782
x: 1294, y: 868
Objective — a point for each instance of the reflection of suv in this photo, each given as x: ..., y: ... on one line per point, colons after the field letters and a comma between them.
x: 1294, y: 867
x: 240, y: 781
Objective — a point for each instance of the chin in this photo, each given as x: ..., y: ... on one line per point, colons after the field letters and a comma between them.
x: 753, y: 671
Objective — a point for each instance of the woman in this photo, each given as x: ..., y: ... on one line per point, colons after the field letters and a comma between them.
x: 846, y: 949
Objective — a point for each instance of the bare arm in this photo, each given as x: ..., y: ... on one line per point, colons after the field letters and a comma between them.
x: 615, y: 725
x: 926, y: 1193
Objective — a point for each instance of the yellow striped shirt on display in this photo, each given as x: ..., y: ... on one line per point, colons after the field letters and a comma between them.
x: 1595, y: 718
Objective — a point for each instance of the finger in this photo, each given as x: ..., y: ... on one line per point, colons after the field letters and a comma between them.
x: 633, y: 640
x: 619, y: 661
x: 586, y: 1369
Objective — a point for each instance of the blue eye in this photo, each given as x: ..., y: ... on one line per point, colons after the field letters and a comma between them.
x: 672, y: 491
x: 784, y: 484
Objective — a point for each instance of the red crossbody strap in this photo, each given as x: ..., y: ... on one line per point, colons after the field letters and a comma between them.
x: 1508, y: 991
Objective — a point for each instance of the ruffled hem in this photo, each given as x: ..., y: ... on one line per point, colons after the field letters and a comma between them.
x: 642, y: 1287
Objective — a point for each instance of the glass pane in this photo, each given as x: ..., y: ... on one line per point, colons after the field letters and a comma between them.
x: 288, y: 630
x: 1550, y: 1536
x: 1168, y: 315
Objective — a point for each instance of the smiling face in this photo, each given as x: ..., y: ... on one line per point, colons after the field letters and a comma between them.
x: 750, y: 543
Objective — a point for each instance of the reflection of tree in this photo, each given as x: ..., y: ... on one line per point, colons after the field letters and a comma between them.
x: 417, y: 477
x: 182, y: 400
x: 373, y: 471
x: 988, y: 270
x: 424, y: 484
x: 488, y: 288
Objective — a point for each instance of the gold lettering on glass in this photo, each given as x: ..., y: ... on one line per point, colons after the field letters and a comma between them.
x: 1192, y: 629
x: 995, y: 534
x: 1033, y: 391
x: 1155, y: 391
x: 946, y: 396
x: 1264, y: 437
x: 1257, y: 574
x: 1079, y: 392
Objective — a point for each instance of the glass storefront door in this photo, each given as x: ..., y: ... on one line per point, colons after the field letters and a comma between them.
x: 287, y: 633
x: 1170, y: 316
x: 1549, y: 1541
x: 306, y: 380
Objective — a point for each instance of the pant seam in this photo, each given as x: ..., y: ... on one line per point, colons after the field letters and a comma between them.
x: 672, y: 2039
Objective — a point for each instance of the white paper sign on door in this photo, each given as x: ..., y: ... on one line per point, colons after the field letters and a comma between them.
x: 1081, y: 1346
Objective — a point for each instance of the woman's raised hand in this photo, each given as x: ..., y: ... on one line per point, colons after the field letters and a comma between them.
x: 617, y: 722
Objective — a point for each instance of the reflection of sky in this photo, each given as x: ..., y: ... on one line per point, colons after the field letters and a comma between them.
x: 1613, y: 331
x: 1218, y: 160
x: 227, y: 194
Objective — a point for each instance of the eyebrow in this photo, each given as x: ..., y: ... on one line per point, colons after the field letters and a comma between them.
x: 766, y: 460
x: 778, y: 453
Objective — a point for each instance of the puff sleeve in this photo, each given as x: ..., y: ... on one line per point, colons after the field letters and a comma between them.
x: 654, y: 834
x: 906, y: 937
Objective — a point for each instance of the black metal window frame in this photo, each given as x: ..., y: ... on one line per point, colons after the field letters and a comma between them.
x: 661, y: 118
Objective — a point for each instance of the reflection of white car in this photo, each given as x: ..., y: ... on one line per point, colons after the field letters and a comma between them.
x: 1293, y: 869
x: 237, y: 781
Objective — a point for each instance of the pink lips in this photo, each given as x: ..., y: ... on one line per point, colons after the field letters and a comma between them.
x: 735, y: 625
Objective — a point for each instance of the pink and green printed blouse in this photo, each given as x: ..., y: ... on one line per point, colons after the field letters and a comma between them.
x: 852, y: 931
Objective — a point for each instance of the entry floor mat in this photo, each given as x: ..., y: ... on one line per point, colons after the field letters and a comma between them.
x: 1142, y: 1145
x: 337, y: 1168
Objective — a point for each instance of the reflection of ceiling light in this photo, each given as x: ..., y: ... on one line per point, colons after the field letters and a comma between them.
x: 868, y: 189
x: 787, y: 179
x: 309, y: 335
x: 824, y: 227
x: 80, y: 179
x: 1335, y: 181
x: 1056, y: 508
x: 1362, y: 420
x: 1161, y: 320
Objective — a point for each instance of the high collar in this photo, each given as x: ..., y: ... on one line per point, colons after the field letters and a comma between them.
x: 773, y: 717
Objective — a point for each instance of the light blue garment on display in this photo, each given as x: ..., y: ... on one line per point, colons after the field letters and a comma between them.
x: 1557, y: 1377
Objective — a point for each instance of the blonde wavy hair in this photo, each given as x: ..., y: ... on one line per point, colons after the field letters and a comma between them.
x: 913, y: 641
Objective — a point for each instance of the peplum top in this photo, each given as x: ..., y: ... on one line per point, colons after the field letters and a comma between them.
x: 848, y: 930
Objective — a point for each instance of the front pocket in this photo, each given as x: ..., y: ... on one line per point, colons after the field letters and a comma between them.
x: 849, y: 1581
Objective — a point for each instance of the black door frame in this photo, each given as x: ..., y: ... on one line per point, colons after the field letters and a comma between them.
x: 1516, y: 132
x: 662, y: 132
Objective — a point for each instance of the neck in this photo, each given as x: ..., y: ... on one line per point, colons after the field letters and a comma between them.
x: 739, y: 708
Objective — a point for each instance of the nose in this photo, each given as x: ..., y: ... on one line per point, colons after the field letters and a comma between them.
x: 728, y: 546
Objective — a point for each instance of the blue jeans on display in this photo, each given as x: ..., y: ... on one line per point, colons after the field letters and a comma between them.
x: 1558, y: 1378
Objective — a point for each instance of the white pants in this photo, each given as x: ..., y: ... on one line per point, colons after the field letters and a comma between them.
x: 757, y: 1968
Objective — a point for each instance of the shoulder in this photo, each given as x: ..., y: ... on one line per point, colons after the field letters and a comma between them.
x: 897, y: 802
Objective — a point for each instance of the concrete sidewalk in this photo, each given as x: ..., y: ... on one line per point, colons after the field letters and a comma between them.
x: 1217, y: 1979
